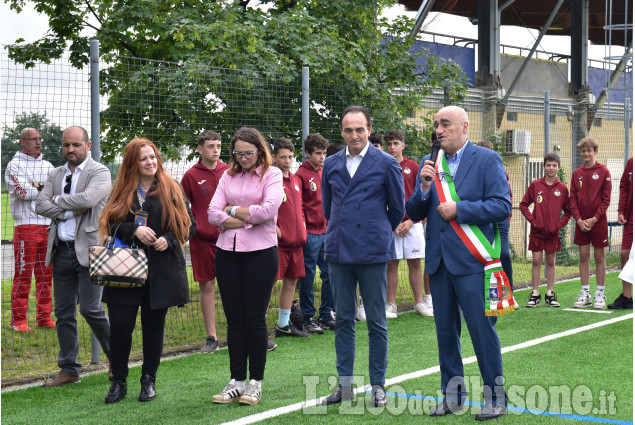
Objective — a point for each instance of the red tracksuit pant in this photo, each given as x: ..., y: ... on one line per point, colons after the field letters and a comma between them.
x: 29, y: 249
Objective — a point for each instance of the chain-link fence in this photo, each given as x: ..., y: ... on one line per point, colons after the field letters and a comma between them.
x: 171, y: 103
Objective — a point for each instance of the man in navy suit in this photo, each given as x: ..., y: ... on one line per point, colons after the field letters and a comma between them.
x: 363, y: 201
x: 456, y: 276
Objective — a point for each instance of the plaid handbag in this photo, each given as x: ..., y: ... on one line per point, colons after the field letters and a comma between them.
x: 117, y: 267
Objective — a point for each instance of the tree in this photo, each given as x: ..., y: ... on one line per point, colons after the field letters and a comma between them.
x: 51, y: 136
x: 342, y: 41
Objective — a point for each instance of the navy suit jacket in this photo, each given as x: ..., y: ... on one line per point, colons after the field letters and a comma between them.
x: 484, y: 193
x: 362, y: 212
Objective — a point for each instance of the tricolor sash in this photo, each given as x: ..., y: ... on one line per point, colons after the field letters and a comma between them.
x: 498, y: 294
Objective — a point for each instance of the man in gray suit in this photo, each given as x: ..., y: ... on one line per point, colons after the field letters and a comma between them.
x: 73, y: 198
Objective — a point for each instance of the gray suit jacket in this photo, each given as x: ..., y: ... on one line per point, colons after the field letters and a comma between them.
x: 91, y: 194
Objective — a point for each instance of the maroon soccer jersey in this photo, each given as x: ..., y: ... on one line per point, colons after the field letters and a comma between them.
x: 409, y: 169
x: 590, y: 192
x: 290, y: 215
x: 549, y: 201
x: 625, y: 206
x: 199, y: 184
x: 312, y: 198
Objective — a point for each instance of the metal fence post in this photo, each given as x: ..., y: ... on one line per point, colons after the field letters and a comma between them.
x: 547, y: 148
x: 95, y: 151
x: 627, y: 127
x: 305, y: 107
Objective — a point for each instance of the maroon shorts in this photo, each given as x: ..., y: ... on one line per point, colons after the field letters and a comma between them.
x: 291, y: 263
x: 627, y: 236
x: 598, y: 236
x: 203, y: 258
x: 548, y: 245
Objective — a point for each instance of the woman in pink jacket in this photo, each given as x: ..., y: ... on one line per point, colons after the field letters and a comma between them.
x: 245, y: 209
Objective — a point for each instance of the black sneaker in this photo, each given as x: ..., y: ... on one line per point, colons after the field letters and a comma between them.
x: 621, y: 302
x: 552, y: 300
x: 534, y: 300
x: 327, y: 323
x: 312, y: 327
x: 290, y: 330
x: 296, y: 315
x: 211, y: 345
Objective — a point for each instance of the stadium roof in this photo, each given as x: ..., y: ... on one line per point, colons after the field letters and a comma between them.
x: 534, y: 13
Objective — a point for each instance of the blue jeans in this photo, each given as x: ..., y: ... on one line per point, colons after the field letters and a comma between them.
x: 372, y: 285
x: 506, y: 257
x: 314, y: 255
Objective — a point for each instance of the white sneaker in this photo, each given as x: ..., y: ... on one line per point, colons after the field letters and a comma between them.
x: 252, y: 394
x: 425, y: 308
x: 361, y: 313
x: 229, y: 394
x: 391, y: 311
x: 584, y: 300
x: 599, y: 300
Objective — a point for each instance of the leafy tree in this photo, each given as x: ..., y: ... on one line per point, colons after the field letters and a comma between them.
x: 343, y: 42
x: 51, y: 136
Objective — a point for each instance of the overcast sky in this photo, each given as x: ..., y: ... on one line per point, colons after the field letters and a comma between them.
x: 31, y: 26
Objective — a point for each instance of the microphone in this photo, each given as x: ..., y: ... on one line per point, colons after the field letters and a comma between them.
x: 436, y: 146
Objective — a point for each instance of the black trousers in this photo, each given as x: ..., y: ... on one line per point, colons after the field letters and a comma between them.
x: 122, y: 322
x: 245, y: 281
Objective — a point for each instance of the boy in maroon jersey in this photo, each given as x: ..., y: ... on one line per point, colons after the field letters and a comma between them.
x: 409, y: 241
x: 590, y: 197
x: 550, y: 197
x: 310, y: 173
x: 625, y: 218
x: 199, y: 184
x: 291, y: 231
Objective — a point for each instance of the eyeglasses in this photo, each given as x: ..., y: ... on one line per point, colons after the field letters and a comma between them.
x: 247, y: 155
x: 67, y: 188
x: 442, y: 175
x: 31, y: 139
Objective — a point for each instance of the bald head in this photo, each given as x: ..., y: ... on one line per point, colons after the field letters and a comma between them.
x: 452, y: 125
x: 31, y: 141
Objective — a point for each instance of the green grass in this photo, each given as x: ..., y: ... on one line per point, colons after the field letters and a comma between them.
x: 600, y: 360
x: 6, y: 223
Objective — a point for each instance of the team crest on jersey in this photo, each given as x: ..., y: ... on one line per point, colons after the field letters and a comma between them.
x: 539, y: 199
x: 297, y: 188
x: 580, y: 183
x: 407, y: 171
x: 595, y: 176
x: 313, y: 186
x: 557, y: 192
x: 284, y: 197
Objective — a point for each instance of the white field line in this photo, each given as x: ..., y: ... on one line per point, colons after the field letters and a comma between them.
x: 420, y: 373
x: 588, y: 310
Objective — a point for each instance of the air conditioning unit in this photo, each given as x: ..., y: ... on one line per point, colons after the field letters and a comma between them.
x: 518, y: 142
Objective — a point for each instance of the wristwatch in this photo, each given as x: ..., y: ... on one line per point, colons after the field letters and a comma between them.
x: 54, y: 199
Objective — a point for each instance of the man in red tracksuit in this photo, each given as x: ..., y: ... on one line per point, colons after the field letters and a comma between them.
x: 199, y: 184
x: 550, y: 197
x: 25, y: 176
x: 291, y: 231
x: 310, y: 173
x: 590, y: 197
x: 625, y: 218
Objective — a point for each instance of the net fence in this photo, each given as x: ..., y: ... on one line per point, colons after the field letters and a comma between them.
x: 171, y: 103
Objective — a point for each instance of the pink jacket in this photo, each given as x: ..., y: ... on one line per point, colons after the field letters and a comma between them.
x: 263, y: 199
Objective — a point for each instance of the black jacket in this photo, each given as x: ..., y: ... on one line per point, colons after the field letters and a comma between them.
x: 167, y: 284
